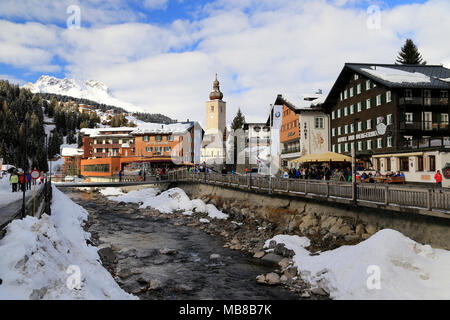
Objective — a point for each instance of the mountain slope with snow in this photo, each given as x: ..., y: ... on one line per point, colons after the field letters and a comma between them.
x: 90, y: 90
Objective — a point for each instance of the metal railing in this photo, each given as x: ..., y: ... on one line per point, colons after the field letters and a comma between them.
x: 389, y: 196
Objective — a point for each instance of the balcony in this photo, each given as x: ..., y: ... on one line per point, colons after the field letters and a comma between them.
x: 425, y: 143
x: 291, y: 150
x: 431, y: 127
x: 419, y: 101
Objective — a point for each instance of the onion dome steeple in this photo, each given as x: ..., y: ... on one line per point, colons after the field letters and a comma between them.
x: 216, y: 94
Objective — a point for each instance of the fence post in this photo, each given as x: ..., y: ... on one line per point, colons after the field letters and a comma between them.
x: 429, y: 200
x: 328, y: 189
x: 287, y: 185
x: 249, y: 183
x: 306, y: 188
x: 386, y: 195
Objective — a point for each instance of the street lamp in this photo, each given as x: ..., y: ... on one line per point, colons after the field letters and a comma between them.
x: 354, y: 188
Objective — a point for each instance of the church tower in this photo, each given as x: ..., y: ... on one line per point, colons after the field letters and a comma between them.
x: 216, y: 111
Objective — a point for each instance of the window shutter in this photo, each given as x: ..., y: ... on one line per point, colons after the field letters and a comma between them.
x: 383, y: 98
x: 371, y: 84
x: 363, y: 86
x: 439, y: 118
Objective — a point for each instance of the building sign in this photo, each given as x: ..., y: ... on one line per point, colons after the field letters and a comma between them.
x: 359, y: 136
x: 446, y: 171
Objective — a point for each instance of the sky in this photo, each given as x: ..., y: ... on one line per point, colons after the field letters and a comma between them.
x: 162, y: 55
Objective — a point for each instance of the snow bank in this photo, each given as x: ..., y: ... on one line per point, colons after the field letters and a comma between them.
x: 111, y: 192
x: 170, y: 201
x: 6, y: 194
x: 408, y: 270
x: 37, y: 254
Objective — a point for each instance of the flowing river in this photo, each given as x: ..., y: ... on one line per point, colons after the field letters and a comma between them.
x: 157, y: 258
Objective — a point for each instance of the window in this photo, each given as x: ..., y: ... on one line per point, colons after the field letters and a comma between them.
x: 352, y: 109
x: 432, y: 161
x: 368, y: 85
x: 409, y: 117
x: 149, y: 149
x: 333, y: 132
x: 359, y: 106
x: 212, y: 108
x: 333, y: 115
x: 369, y: 144
x: 388, y: 164
x: 404, y: 164
x: 444, y: 94
x: 380, y: 143
x: 158, y: 138
x: 115, y: 141
x: 167, y: 149
x: 379, y: 100
x: 334, y: 148
x: 346, y: 129
x: 358, y: 89
x: 345, y: 147
x: 444, y: 118
x: 146, y: 138
x: 388, y: 96
x: 408, y: 94
x: 389, y: 119
x: 169, y: 138
x: 359, y: 126
x: 339, y: 113
x: 339, y: 131
x: 345, y: 94
x: 352, y: 128
x: 339, y: 148
x: 389, y: 142
x: 356, y: 77
x: 341, y: 96
x: 368, y: 104
x: 419, y: 163
x: 97, y: 168
x: 319, y: 123
x: 351, y: 92
x: 345, y: 112
x: 369, y: 124
x: 360, y: 146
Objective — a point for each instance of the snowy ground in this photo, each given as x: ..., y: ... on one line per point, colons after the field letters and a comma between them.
x: 167, y: 202
x: 6, y: 196
x: 406, y: 269
x: 42, y: 259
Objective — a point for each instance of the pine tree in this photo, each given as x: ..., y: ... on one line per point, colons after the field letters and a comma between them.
x: 409, y: 54
x: 238, y: 121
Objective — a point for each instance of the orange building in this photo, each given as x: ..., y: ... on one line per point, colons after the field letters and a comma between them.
x: 106, y: 151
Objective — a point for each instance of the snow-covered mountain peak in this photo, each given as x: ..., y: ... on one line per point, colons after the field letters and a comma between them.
x: 91, y: 90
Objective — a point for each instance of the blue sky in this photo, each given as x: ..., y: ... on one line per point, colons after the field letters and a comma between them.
x: 259, y: 47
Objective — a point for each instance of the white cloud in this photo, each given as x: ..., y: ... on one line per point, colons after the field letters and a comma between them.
x: 156, y: 4
x: 260, y: 49
x: 12, y: 79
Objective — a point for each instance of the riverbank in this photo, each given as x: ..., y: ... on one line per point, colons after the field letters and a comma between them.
x: 173, y: 256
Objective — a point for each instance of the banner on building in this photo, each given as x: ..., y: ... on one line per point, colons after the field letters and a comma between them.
x: 275, y: 139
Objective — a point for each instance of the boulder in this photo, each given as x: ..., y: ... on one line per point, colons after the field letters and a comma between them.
x: 272, y: 259
x: 272, y: 278
x: 168, y: 251
x: 155, y: 284
x: 214, y: 256
x: 285, y: 263
x: 360, y: 229
x: 319, y: 292
x: 259, y: 254
x: 328, y: 222
x: 371, y: 229
x: 261, y: 279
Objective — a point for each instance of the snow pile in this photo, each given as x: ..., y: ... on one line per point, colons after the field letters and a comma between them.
x: 398, y: 76
x: 407, y: 269
x: 41, y: 258
x: 107, y: 192
x: 170, y: 201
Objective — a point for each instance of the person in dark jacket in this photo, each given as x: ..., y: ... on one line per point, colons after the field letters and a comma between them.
x: 224, y: 170
x: 28, y: 176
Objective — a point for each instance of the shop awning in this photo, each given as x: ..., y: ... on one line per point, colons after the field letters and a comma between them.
x: 323, y: 157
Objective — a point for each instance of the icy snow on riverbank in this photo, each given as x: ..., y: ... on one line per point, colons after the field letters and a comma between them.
x: 168, y: 201
x: 407, y: 269
x: 40, y: 259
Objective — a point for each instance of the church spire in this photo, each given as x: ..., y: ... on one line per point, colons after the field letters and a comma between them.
x: 216, y: 94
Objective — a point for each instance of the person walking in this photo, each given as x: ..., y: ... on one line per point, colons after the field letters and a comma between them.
x: 22, y: 180
x: 438, y: 178
x: 120, y: 175
x: 28, y: 176
x: 14, y: 179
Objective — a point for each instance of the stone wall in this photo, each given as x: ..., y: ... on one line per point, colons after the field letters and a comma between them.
x: 323, y: 221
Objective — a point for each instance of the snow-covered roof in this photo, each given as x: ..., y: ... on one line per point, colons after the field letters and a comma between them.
x: 71, y: 152
x: 397, y: 76
x: 152, y: 128
x: 305, y: 101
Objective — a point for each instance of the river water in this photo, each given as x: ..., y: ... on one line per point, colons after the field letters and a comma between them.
x: 173, y: 257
